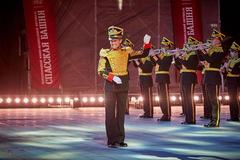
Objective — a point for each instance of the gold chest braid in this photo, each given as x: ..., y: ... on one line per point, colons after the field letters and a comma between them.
x: 232, y: 62
x: 188, y: 55
x: 143, y: 60
x: 118, y: 60
x: 214, y: 49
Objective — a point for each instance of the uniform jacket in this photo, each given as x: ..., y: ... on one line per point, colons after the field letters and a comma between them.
x: 189, y: 67
x: 145, y: 69
x: 115, y: 63
x: 162, y: 68
x: 214, y: 57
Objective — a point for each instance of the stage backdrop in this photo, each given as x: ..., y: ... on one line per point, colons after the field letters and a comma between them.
x: 81, y: 32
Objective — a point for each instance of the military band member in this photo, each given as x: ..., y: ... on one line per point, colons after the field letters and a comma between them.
x: 233, y: 79
x: 188, y: 79
x: 113, y: 67
x: 145, y: 67
x: 206, y: 104
x: 212, y: 78
x: 163, y: 63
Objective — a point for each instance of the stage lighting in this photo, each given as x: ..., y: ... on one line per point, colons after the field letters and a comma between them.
x: 220, y: 98
x: 25, y: 100
x: 196, y: 98
x: 173, y: 98
x: 133, y: 99
x: 42, y: 100
x: 66, y: 99
x: 120, y: 4
x: 85, y: 99
x: 9, y: 100
x: 157, y: 98
x: 180, y: 98
x: 50, y: 100
x: 226, y: 98
x: 34, y: 100
x: 92, y: 99
x: 100, y: 99
x: 1, y: 100
x: 140, y: 99
x: 17, y: 100
x: 59, y: 100
x: 75, y: 98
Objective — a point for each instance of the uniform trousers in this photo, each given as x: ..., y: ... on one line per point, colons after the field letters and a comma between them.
x: 115, y: 106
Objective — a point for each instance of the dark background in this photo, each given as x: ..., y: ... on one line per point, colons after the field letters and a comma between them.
x: 81, y: 31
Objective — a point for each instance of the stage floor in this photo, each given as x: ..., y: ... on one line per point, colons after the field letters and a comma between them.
x: 76, y: 134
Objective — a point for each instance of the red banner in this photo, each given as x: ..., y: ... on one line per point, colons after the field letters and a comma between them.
x: 187, y: 22
x: 41, y: 35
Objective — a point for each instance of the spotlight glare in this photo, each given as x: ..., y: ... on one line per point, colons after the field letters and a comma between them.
x: 50, y: 100
x: 220, y: 98
x: 66, y: 99
x: 17, y: 100
x: 140, y: 98
x: 75, y: 98
x: 1, y: 100
x: 43, y: 100
x: 100, y: 99
x: 157, y: 98
x: 196, y: 98
x: 9, y: 100
x: 133, y: 99
x: 85, y: 99
x: 34, y: 100
x: 180, y: 98
x: 59, y: 100
x: 173, y: 98
x: 226, y: 98
x: 25, y: 100
x: 92, y: 99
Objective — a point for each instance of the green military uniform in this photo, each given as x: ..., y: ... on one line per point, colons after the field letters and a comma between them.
x: 145, y: 67
x: 188, y: 79
x: 112, y: 63
x: 163, y: 63
x: 206, y: 104
x: 233, y: 83
x: 212, y: 79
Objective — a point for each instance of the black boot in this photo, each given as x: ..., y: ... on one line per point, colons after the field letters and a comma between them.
x: 164, y: 118
x: 211, y: 124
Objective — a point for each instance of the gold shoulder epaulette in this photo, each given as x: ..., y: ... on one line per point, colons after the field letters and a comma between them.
x: 127, y: 49
x: 103, y: 52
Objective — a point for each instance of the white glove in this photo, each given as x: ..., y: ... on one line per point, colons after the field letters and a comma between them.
x: 117, y: 80
x: 146, y: 39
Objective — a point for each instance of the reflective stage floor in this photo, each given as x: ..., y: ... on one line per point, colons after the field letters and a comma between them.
x: 76, y: 134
